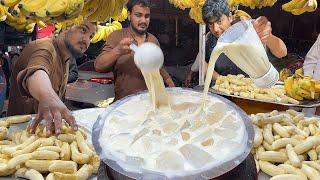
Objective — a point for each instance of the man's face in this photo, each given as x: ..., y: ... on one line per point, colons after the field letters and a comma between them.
x: 218, y: 25
x: 77, y: 38
x: 139, y: 18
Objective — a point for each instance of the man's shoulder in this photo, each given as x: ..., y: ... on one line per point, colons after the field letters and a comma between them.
x: 117, y: 35
x: 153, y: 38
x: 42, y: 44
x: 120, y: 32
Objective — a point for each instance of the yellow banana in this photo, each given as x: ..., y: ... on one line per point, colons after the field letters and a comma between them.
x: 42, y: 12
x: 21, y: 20
x: 117, y: 9
x: 41, y: 24
x: 290, y: 5
x: 9, y: 3
x: 123, y: 16
x: 30, y: 27
x: 103, y: 17
x: 311, y: 6
x: 74, y: 9
x: 102, y: 12
x: 117, y: 24
x: 90, y: 7
x: 288, y: 85
x: 295, y: 89
x: 3, y: 18
x: 58, y: 8
x: 28, y: 6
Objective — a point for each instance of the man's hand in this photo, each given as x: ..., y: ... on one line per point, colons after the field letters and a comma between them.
x: 52, y: 110
x: 123, y: 47
x: 188, y: 79
x: 263, y: 28
x: 169, y: 82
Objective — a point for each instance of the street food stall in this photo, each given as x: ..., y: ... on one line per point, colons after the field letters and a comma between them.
x: 168, y: 133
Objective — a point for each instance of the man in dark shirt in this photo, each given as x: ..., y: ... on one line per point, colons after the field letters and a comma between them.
x: 117, y: 57
x: 217, y: 16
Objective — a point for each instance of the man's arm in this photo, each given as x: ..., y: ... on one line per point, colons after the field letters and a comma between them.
x: 166, y: 78
x: 312, y: 59
x: 50, y: 107
x: 277, y: 46
x: 109, y: 55
x: 263, y: 28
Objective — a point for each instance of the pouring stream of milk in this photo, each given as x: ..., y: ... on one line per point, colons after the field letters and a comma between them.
x: 149, y: 59
x: 248, y: 58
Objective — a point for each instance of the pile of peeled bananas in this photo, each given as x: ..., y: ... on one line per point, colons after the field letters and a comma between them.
x: 244, y: 87
x: 104, y: 31
x: 300, y: 87
x: 25, y: 14
x: 287, y: 145
x: 32, y: 156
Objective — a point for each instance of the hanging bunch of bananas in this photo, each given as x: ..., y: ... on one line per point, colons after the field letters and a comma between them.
x: 302, y: 87
x: 195, y: 6
x: 239, y: 13
x: 102, y: 10
x: 48, y: 11
x: 104, y: 31
x: 252, y: 3
x: 67, y: 23
x: 196, y: 14
x: 182, y: 4
x: 3, y: 13
x: 123, y: 16
x: 23, y: 23
x: 298, y: 7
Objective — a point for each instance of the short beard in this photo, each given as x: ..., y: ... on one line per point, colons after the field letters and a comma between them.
x: 74, y: 53
x: 137, y: 31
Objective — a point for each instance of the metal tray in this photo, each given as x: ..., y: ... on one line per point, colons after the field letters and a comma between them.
x: 211, y: 173
x: 303, y: 104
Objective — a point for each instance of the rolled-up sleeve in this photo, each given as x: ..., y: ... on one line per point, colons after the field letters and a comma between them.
x: 40, y: 60
x: 312, y: 59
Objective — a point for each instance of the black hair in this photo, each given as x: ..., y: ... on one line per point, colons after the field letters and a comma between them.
x: 144, y: 3
x: 214, y: 9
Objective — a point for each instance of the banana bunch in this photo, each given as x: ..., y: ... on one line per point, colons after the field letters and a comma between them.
x: 298, y: 7
x: 252, y: 3
x: 302, y: 87
x: 49, y: 11
x: 102, y: 10
x: 20, y: 23
x: 123, y: 16
x: 3, y: 13
x: 239, y: 13
x: 196, y: 14
x: 9, y: 3
x: 64, y: 24
x: 183, y: 4
x: 104, y: 31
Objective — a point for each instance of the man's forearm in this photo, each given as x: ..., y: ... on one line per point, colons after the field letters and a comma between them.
x: 39, y: 86
x: 277, y: 46
x: 106, y: 60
